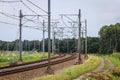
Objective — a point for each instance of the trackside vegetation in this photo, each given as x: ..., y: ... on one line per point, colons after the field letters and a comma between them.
x: 74, y: 71
x: 9, y: 57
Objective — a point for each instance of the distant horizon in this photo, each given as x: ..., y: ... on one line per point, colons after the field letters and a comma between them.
x: 51, y: 39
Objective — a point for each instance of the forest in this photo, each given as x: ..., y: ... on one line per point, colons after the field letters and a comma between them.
x: 63, y: 46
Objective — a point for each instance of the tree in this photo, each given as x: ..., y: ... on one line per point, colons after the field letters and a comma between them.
x: 109, y: 38
x: 93, y: 44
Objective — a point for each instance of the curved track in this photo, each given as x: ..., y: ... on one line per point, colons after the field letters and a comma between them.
x: 34, y: 65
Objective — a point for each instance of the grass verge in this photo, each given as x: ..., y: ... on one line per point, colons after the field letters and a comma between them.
x: 13, y: 56
x: 106, y: 65
x: 115, y: 58
x: 74, y: 71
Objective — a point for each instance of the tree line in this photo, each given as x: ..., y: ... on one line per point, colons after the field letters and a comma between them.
x: 67, y: 45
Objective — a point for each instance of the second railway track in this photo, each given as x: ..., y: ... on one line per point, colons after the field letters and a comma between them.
x: 35, y: 65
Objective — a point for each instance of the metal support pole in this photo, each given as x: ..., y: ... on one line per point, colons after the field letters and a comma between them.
x: 75, y: 38
x: 49, y: 27
x: 20, y: 38
x: 86, y: 39
x: 26, y: 45
x: 54, y: 43
x: 49, y: 70
x: 67, y: 45
x: 86, y: 36
x: 75, y: 44
x: 39, y: 46
x: 58, y: 46
x: 8, y: 46
x: 43, y: 39
x: 53, y: 40
x: 79, y: 38
x: 34, y: 45
x: 82, y: 43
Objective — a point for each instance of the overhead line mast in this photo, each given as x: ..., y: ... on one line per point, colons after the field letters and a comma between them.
x: 79, y: 38
x: 49, y: 70
x: 20, y: 38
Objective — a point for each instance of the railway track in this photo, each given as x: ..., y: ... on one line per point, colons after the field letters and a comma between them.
x: 38, y: 61
x: 34, y: 65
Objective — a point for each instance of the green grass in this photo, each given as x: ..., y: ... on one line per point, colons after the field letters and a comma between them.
x: 3, y: 63
x: 32, y: 57
x: 7, y: 57
x: 115, y: 58
x: 75, y: 71
x: 114, y: 74
x: 106, y: 64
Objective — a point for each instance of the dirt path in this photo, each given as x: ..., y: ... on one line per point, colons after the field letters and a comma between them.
x: 101, y: 65
x: 111, y: 65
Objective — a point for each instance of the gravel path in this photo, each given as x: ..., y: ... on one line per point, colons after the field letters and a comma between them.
x: 101, y: 65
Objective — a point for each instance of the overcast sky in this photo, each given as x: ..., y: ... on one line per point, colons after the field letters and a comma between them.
x: 97, y: 12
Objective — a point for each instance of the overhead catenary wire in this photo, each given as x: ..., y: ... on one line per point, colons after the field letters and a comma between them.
x: 33, y: 27
x: 17, y: 17
x: 28, y: 7
x: 34, y: 21
x: 64, y: 22
x: 37, y: 6
x: 14, y: 17
x: 28, y: 20
x: 8, y: 23
x: 10, y: 16
x: 31, y: 9
x: 69, y: 18
x: 12, y: 1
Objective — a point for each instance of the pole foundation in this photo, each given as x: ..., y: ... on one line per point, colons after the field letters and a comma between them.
x: 50, y: 70
x: 20, y: 61
x: 86, y: 56
x: 80, y: 61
